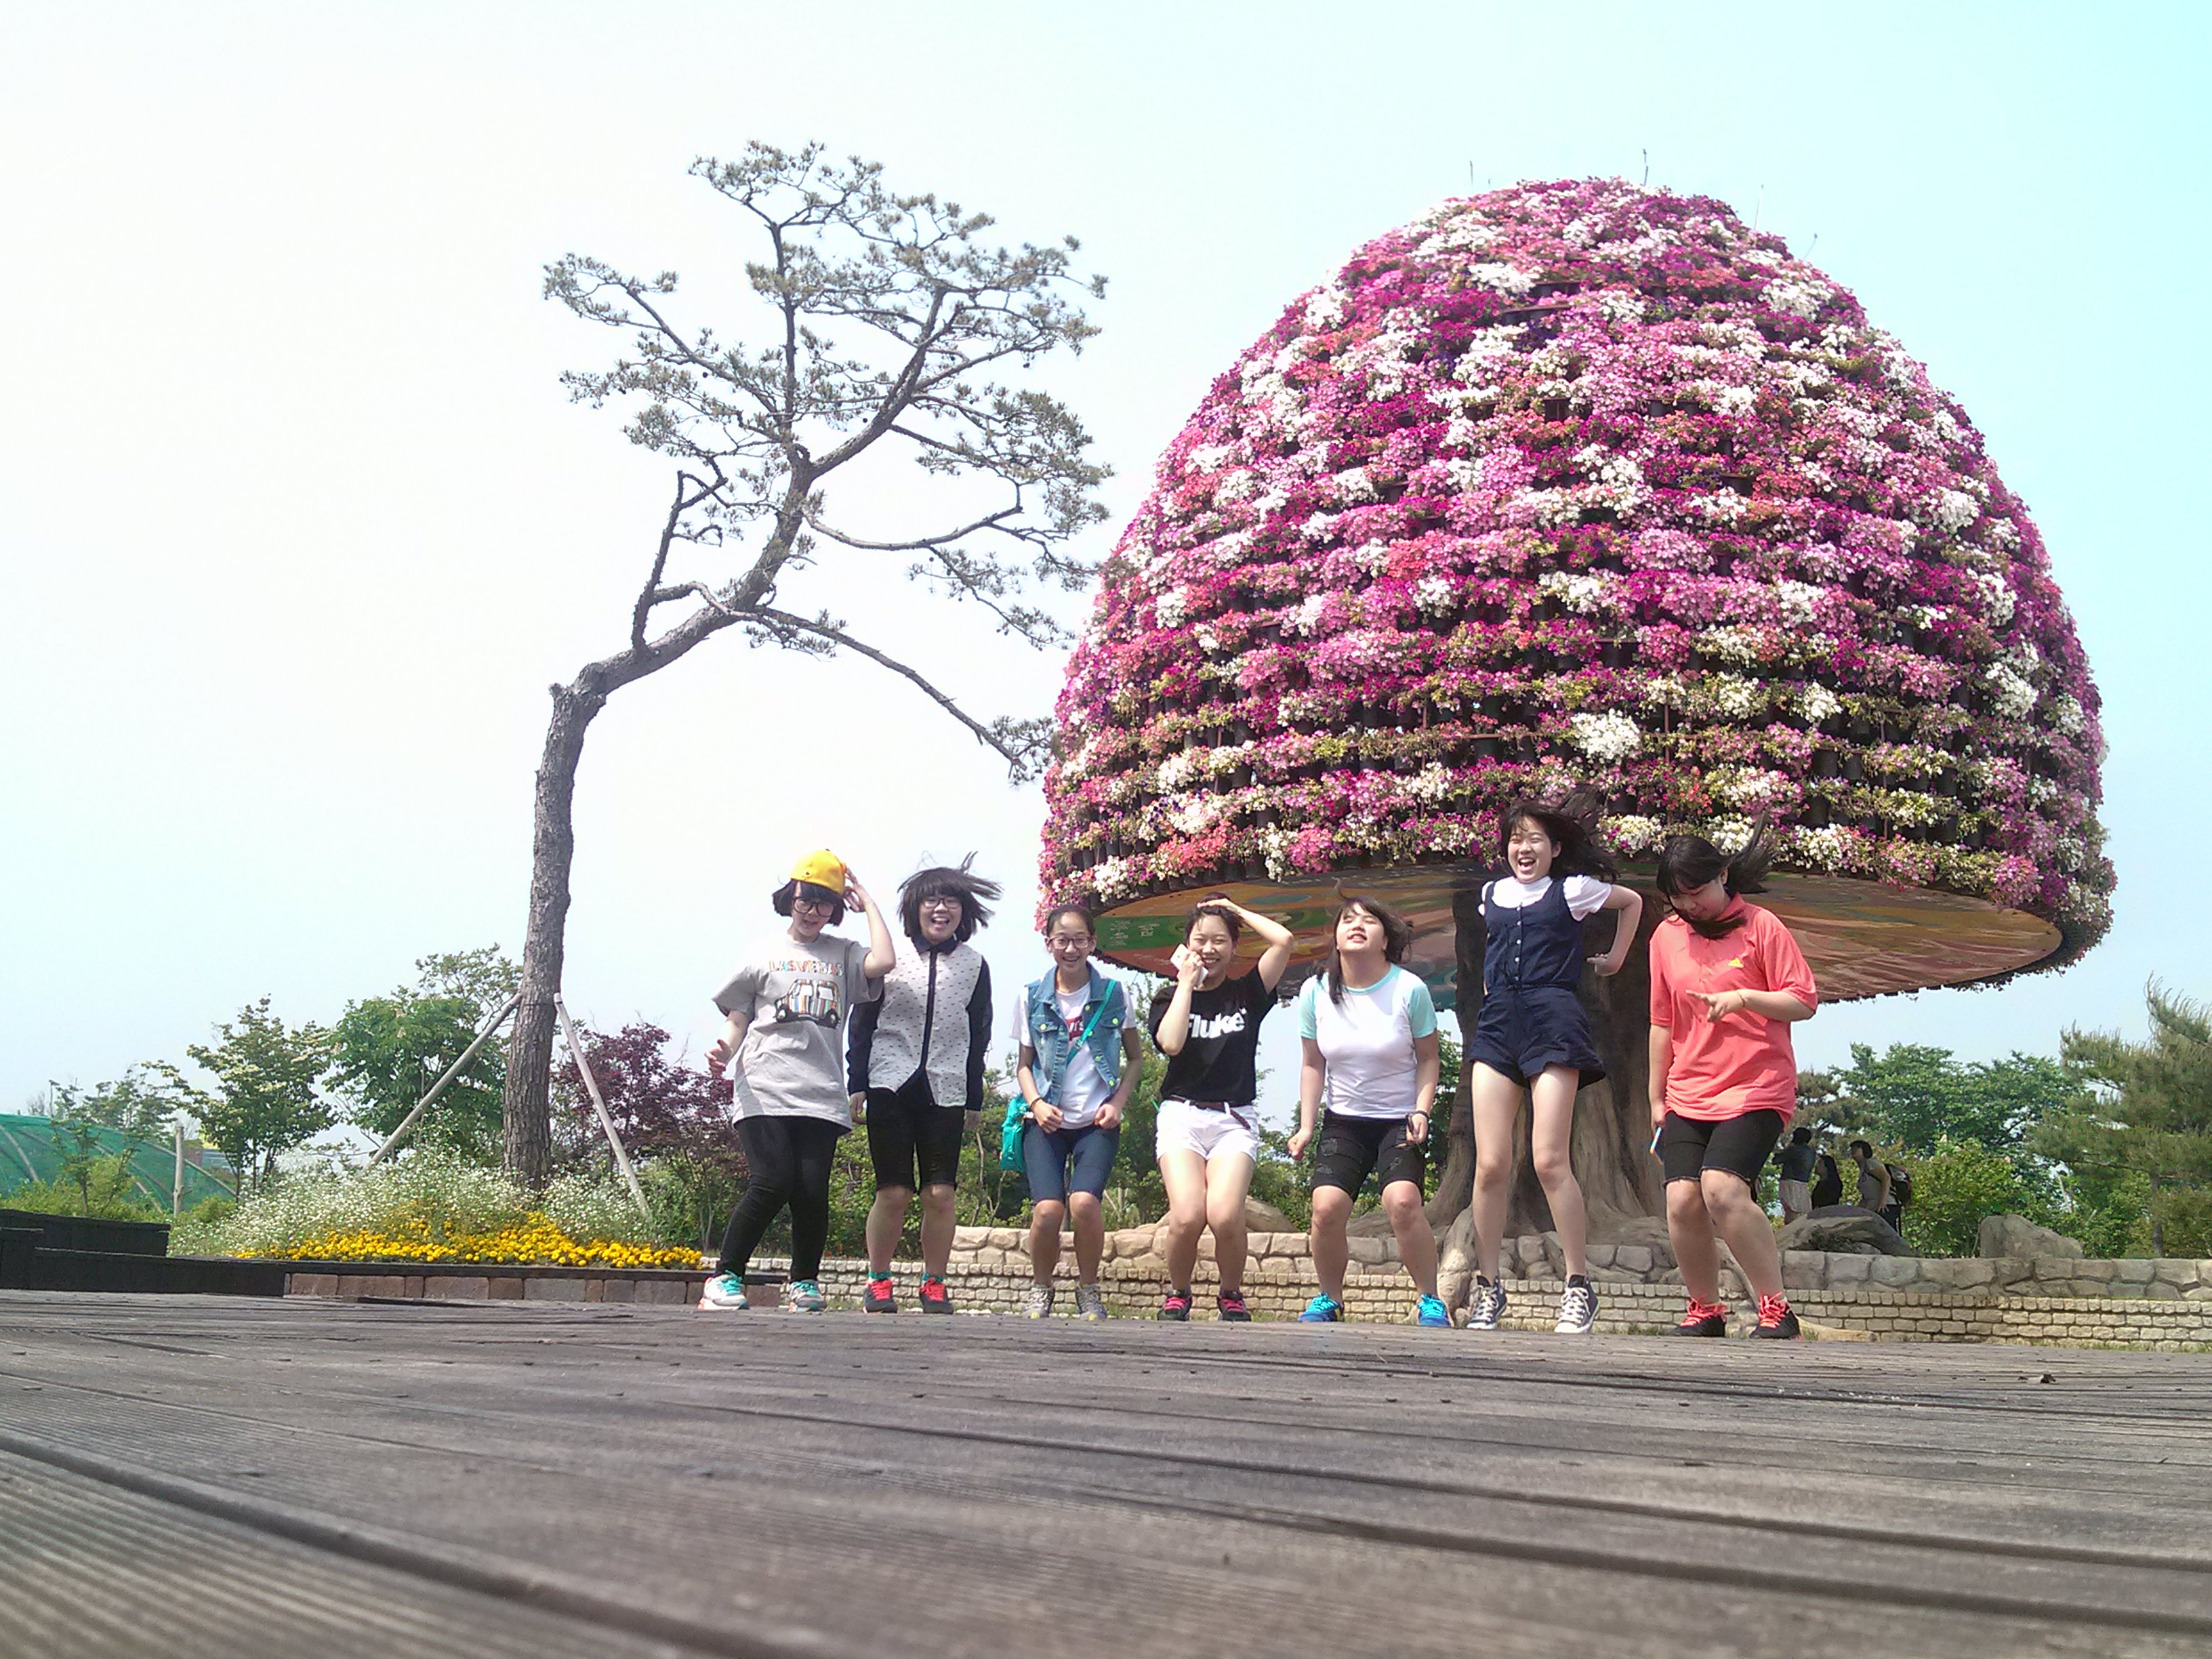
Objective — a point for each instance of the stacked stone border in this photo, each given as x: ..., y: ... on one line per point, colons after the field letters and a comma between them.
x: 990, y: 1273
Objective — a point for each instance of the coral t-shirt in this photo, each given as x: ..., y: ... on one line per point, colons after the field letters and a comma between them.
x: 1744, y: 1062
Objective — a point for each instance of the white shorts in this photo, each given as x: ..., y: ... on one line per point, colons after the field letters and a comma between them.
x: 1183, y: 1127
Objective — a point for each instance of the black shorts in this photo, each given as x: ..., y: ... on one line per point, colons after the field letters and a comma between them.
x: 912, y: 1141
x: 1688, y: 1146
x: 1347, y: 1148
x: 1522, y: 1030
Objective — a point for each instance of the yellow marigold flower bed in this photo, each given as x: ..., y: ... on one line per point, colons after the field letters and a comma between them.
x: 537, y: 1241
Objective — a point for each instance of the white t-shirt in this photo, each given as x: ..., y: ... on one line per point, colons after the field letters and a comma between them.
x: 1368, y: 1041
x: 1585, y: 894
x: 1082, y: 1091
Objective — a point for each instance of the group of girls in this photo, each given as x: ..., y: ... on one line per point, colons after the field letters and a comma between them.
x: 1727, y: 982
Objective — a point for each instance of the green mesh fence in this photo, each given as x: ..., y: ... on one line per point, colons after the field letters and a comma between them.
x: 28, y: 1152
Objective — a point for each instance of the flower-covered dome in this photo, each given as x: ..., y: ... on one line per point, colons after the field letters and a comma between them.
x: 1580, y: 483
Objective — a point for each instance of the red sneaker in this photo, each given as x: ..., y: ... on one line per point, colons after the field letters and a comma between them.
x: 1177, y: 1307
x: 878, y: 1297
x: 935, y: 1298
x: 1775, y: 1319
x: 1704, y: 1319
x: 1232, y: 1305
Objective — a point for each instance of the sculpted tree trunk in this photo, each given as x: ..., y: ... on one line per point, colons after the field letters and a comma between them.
x: 1613, y: 1119
x: 888, y: 320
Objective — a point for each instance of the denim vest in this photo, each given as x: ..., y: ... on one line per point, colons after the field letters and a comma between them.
x: 1044, y: 1030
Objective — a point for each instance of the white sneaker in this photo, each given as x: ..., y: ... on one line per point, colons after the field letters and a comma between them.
x: 805, y: 1296
x: 1486, y: 1306
x: 1089, y: 1303
x: 1039, y: 1305
x: 726, y: 1291
x: 1577, y: 1309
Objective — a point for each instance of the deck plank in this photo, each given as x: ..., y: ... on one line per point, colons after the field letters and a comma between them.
x: 768, y: 1483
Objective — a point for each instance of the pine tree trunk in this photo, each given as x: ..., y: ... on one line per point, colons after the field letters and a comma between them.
x: 524, y: 1110
x: 1613, y: 1119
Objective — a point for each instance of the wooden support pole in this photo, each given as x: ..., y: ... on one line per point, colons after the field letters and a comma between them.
x: 451, y: 1073
x: 598, y: 1105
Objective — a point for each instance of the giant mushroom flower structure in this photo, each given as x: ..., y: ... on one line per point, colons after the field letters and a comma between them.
x: 1585, y: 484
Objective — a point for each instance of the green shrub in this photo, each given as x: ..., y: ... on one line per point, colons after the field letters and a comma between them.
x: 110, y: 1197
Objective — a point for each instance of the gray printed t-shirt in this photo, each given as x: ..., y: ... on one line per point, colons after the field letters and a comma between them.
x: 798, y: 998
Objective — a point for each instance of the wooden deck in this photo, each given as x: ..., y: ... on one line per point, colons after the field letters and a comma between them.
x: 204, y: 1476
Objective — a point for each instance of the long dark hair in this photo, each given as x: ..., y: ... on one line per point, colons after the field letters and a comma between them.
x: 941, y: 881
x: 1689, y: 861
x: 1571, y: 823
x: 1397, y: 939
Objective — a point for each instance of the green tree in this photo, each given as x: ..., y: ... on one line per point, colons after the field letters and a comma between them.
x: 1913, y: 1096
x: 886, y: 324
x: 265, y: 1100
x: 387, y: 1051
x: 2145, y: 1110
x: 1957, y: 1183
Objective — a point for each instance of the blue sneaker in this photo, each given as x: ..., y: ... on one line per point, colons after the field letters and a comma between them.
x: 1321, y: 1310
x: 724, y: 1290
x: 1433, y: 1312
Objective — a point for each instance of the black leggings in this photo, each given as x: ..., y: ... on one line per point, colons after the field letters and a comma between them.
x: 786, y: 1162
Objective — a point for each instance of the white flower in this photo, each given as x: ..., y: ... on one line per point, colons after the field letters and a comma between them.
x: 1373, y: 558
x: 1953, y: 510
x: 2068, y: 718
x: 1631, y: 833
x: 2004, y: 536
x: 1607, y: 738
x: 1234, y: 487
x: 1181, y: 770
x: 1431, y: 784
x: 1824, y: 849
x: 1212, y: 458
x: 1325, y: 310
x: 1997, y: 599
x: 1734, y: 696
x: 1618, y: 305
x: 1354, y: 485
x: 1319, y: 527
x: 1309, y: 612
x: 1739, y: 646
x: 1170, y: 606
x: 1747, y: 786
x: 1208, y: 640
x: 1465, y: 473
x: 1505, y: 278
x: 1578, y: 591
x: 1797, y: 600
x: 1195, y: 814
x: 1818, y: 704
x: 1796, y: 298
x: 1726, y: 508
x: 1434, y: 595
x: 2013, y: 692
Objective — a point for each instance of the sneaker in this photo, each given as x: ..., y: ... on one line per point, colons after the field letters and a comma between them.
x: 724, y: 1290
x: 1089, y: 1303
x: 1775, y: 1319
x: 1704, y: 1319
x: 1486, y: 1306
x: 1039, y: 1305
x: 1578, y: 1308
x: 1323, y: 1309
x: 805, y: 1296
x: 1231, y: 1308
x: 935, y: 1298
x: 1177, y: 1307
x: 1431, y: 1310
x: 877, y: 1298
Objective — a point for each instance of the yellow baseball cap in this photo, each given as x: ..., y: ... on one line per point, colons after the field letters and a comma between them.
x: 823, y: 869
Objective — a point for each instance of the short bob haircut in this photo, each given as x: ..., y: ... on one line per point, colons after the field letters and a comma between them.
x: 944, y: 881
x: 783, y: 896
x: 1397, y: 938
x: 1571, y: 823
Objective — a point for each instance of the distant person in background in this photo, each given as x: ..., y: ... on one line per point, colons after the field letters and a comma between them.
x: 1873, y: 1177
x: 1900, y: 1195
x: 1796, y: 1162
x: 1827, y: 1182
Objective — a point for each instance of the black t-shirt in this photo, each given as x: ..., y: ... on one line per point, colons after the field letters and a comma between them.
x: 1797, y: 1163
x: 1216, y: 1059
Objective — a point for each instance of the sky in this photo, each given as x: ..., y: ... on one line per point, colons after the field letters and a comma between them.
x: 297, y: 523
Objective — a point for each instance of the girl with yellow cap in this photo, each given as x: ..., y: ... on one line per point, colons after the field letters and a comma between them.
x: 786, y: 1009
